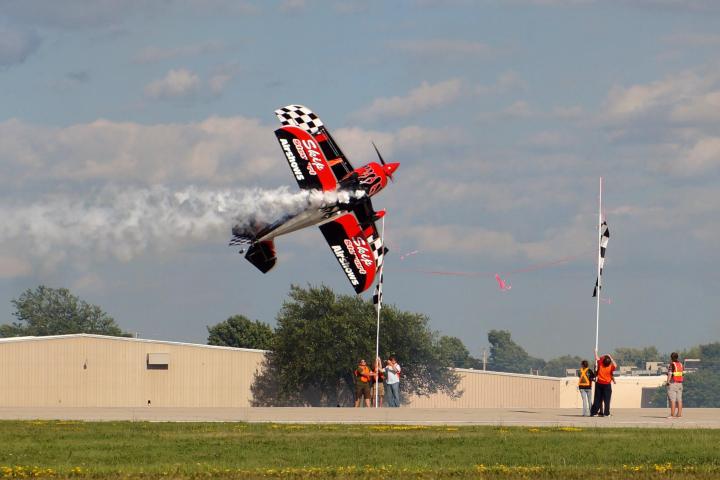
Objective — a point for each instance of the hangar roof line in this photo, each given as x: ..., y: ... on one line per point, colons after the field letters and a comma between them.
x: 125, y: 339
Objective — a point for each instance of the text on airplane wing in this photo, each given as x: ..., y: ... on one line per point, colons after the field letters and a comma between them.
x: 358, y: 251
x: 305, y: 119
x: 306, y: 160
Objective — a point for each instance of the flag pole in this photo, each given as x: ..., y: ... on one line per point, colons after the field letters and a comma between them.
x: 599, y: 279
x: 379, y: 306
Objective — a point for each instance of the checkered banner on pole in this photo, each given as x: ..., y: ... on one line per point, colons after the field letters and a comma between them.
x: 377, y: 296
x: 605, y: 236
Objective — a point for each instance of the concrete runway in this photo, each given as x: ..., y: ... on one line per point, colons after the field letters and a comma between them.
x: 621, y: 417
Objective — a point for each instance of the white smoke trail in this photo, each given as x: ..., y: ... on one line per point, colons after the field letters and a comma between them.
x: 123, y: 223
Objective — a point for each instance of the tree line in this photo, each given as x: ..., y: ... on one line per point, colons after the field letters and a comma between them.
x: 320, y: 336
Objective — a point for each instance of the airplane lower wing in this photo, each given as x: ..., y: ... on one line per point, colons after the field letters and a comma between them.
x: 357, y: 247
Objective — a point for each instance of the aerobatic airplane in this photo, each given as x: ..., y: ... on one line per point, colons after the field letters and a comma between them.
x: 317, y: 163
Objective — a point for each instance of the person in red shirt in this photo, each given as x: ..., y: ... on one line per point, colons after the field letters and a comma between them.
x: 604, y: 379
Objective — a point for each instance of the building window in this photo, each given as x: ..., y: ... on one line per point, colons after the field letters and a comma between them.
x: 158, y: 361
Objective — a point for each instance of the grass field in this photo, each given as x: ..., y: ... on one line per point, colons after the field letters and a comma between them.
x: 62, y: 449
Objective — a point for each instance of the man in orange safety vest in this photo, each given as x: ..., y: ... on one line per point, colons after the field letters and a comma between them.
x: 675, y: 385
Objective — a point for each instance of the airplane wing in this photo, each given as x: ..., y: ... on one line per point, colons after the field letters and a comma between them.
x: 356, y: 243
x: 305, y: 119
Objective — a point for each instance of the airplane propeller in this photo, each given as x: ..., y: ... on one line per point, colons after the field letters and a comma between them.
x: 389, y: 168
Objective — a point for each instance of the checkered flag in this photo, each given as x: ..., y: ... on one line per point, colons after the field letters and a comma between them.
x: 377, y: 296
x: 605, y: 236
x: 299, y: 116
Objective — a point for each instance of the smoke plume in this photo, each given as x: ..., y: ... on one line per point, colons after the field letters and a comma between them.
x: 123, y: 223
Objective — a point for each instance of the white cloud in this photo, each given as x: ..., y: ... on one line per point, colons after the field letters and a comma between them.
x: 699, y: 108
x: 180, y: 83
x: 679, y: 92
x: 702, y: 157
x: 676, y: 118
x: 216, y: 150
x: 420, y: 99
x: 356, y: 142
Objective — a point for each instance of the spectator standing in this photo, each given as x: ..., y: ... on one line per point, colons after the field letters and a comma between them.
x: 392, y: 380
x: 362, y: 383
x: 604, y: 379
x: 675, y: 376
x: 587, y: 376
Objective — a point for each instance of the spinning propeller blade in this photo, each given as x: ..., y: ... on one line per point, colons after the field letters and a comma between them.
x: 389, y: 168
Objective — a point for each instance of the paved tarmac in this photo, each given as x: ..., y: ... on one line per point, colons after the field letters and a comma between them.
x: 621, y: 417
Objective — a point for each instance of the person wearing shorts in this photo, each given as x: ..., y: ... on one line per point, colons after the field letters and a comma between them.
x: 362, y: 383
x: 675, y: 386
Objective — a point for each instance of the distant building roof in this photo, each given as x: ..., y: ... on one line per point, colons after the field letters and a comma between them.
x: 119, y: 339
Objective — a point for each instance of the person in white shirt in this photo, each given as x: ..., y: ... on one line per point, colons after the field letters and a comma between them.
x: 392, y: 382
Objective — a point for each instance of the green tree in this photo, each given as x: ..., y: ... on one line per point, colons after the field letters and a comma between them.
x: 557, y: 366
x: 627, y: 356
x: 238, y: 331
x: 508, y: 356
x: 55, y: 311
x: 454, y: 353
x: 319, y: 338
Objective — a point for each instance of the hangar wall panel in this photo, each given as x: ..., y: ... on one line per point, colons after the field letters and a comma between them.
x: 626, y: 393
x: 95, y: 371
x: 483, y: 389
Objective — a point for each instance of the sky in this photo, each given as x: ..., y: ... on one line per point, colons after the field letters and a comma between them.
x: 133, y: 132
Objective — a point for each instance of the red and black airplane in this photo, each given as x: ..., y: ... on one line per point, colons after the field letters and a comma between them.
x: 317, y: 163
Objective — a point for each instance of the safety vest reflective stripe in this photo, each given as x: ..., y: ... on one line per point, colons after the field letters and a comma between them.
x: 584, y: 380
x: 677, y: 373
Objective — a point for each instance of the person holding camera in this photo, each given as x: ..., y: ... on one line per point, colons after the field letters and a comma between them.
x: 392, y: 380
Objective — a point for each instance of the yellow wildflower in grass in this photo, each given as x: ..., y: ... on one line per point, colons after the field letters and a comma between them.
x: 665, y: 467
x: 452, y: 429
x: 533, y: 430
x: 277, y: 426
x: 382, y: 428
x: 569, y: 429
